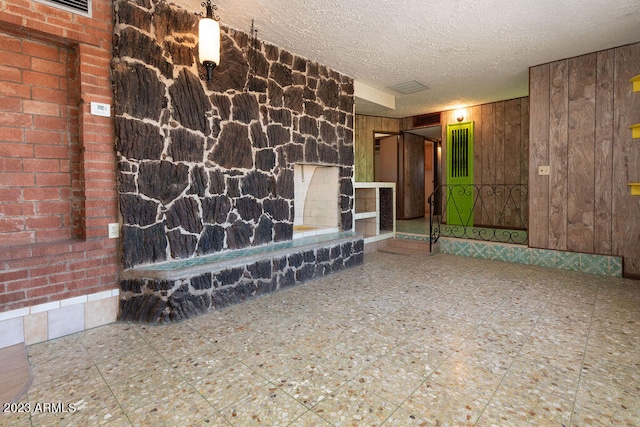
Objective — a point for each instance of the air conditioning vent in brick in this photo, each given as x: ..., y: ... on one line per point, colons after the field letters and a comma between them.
x: 426, y: 120
x: 77, y: 6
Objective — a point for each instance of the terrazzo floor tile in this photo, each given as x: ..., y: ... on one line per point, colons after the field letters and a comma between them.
x: 440, y: 405
x: 97, y: 408
x: 475, y: 380
x: 519, y: 399
x: 353, y: 405
x: 310, y: 384
x: 392, y: 380
x: 544, y: 378
x: 609, y: 400
x: 399, y: 341
x: 265, y: 406
x: 228, y: 385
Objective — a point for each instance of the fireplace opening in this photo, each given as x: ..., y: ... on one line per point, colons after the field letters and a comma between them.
x: 316, y: 202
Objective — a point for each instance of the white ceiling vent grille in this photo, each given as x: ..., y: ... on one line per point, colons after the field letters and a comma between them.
x: 411, y: 86
x: 82, y: 7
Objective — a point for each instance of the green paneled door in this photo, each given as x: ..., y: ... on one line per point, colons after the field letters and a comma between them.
x: 459, y: 188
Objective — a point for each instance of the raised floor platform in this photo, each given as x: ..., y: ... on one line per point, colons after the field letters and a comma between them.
x: 179, y: 289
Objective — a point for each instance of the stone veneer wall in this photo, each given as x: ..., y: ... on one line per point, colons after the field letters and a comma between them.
x: 208, y: 166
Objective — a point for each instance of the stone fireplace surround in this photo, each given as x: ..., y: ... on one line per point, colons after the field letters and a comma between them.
x: 208, y: 167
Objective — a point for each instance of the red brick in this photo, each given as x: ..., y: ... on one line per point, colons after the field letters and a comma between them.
x: 49, y: 123
x: 15, y: 119
x: 51, y: 249
x: 21, y: 62
x: 11, y: 135
x: 49, y: 95
x: 53, y: 207
x: 10, y: 43
x: 23, y: 263
x: 27, y: 284
x: 42, y: 165
x: 49, y: 67
x: 45, y: 137
x: 12, y: 149
x: 33, y: 78
x: 11, y: 239
x: 41, y: 108
x: 15, y: 253
x: 10, y: 165
x: 40, y: 50
x: 51, y: 11
x: 16, y: 90
x: 54, y: 235
x: 43, y: 222
x: 11, y: 104
x: 17, y: 209
x: 18, y: 179
x: 13, y: 275
x: 51, y: 152
x: 45, y: 290
x: 25, y: 12
x: 10, y: 74
x: 53, y: 179
x: 10, y: 195
x: 11, y: 297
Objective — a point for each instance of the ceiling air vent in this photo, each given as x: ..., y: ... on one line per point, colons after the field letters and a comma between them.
x: 431, y: 119
x: 411, y: 86
x: 82, y: 7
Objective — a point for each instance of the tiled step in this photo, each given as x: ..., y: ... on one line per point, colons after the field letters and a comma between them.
x: 408, y: 247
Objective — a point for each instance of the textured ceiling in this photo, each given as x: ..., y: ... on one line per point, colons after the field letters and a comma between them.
x: 466, y: 52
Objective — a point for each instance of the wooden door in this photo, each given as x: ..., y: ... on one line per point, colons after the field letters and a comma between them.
x: 412, y: 173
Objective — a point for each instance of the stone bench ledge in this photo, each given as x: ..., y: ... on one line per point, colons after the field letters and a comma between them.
x: 176, y: 269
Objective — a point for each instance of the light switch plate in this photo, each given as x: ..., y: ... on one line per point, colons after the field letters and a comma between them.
x: 114, y: 230
x: 543, y: 170
x: 99, y: 109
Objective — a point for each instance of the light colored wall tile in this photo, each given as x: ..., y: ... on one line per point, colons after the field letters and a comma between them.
x: 11, y: 332
x: 100, y: 312
x: 66, y: 320
x: 35, y: 328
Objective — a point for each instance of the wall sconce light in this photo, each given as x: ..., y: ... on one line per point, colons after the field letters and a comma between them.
x: 209, y: 39
x: 459, y: 114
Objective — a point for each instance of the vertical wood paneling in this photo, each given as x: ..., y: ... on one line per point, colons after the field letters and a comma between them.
x: 539, y: 156
x: 512, y: 147
x: 487, y: 126
x: 626, y: 159
x: 558, y: 128
x: 580, y: 153
x: 598, y: 155
x: 475, y: 115
x: 499, y: 199
x: 365, y: 127
x: 603, y: 153
x: 524, y: 159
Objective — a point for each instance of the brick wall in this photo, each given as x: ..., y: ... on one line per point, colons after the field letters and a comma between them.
x: 57, y: 161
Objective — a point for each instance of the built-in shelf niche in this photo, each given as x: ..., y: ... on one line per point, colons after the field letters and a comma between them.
x: 635, y: 188
x: 375, y: 210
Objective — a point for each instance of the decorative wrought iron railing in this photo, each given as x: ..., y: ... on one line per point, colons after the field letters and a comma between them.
x: 489, y: 212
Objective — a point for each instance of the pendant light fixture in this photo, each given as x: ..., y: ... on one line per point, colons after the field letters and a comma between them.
x: 209, y: 39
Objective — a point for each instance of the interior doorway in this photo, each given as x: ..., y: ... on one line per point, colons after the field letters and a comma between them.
x: 410, y: 160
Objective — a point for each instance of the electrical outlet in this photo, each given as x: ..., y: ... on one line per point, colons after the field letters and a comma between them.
x: 543, y: 170
x: 114, y: 230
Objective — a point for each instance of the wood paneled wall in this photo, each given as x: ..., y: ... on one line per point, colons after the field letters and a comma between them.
x: 501, y: 156
x: 365, y: 127
x: 581, y: 111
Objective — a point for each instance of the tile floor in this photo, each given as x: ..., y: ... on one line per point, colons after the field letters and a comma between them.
x: 399, y: 341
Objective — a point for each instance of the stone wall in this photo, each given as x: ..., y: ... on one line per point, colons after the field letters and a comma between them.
x: 208, y: 166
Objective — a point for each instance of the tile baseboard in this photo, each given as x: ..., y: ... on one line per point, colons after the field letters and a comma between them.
x: 42, y: 322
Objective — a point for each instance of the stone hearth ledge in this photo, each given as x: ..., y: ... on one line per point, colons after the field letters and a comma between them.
x: 179, y: 289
